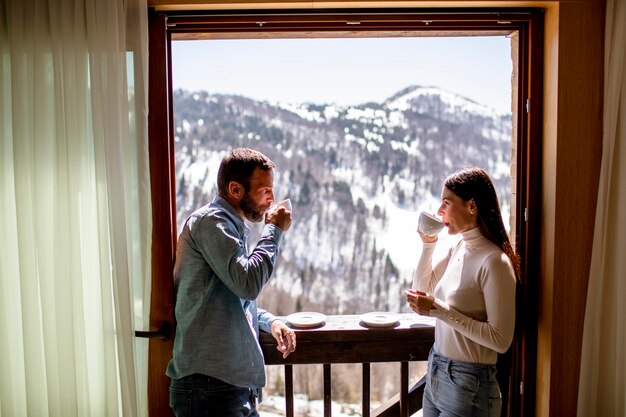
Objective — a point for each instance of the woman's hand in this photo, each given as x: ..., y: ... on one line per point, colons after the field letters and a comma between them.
x: 426, y: 238
x: 285, y: 338
x: 420, y: 302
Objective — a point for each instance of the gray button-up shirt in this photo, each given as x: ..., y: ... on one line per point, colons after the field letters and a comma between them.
x: 216, y: 282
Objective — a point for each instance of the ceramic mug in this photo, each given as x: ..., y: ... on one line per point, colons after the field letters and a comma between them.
x: 285, y: 203
x: 429, y: 224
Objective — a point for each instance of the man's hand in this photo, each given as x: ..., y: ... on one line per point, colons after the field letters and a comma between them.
x: 285, y: 337
x: 420, y: 302
x: 279, y: 216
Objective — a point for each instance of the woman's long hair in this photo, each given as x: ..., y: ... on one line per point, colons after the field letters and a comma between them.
x: 474, y: 183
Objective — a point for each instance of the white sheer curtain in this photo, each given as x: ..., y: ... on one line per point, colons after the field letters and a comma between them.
x: 602, y: 388
x: 75, y: 217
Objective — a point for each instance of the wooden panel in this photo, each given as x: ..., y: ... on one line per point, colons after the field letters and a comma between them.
x: 572, y: 152
x: 548, y: 186
x: 162, y: 302
x: 526, y: 171
x: 182, y: 5
x: 578, y: 167
x: 205, y: 25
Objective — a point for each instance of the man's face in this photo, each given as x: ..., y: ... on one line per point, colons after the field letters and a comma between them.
x: 259, y: 197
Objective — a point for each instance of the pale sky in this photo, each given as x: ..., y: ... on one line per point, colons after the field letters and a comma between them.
x: 346, y: 71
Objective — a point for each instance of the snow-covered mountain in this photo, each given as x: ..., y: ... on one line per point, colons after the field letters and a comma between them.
x: 357, y: 177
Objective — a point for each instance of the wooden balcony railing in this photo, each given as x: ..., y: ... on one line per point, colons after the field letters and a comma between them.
x: 345, y: 339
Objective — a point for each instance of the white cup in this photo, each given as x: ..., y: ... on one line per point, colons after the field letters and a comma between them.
x: 285, y: 203
x: 429, y: 224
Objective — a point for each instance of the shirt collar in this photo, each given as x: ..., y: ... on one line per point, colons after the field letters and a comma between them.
x: 473, y: 238
x: 218, y: 199
x: 241, y: 225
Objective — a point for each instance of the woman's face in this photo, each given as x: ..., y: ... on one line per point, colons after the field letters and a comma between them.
x: 456, y: 214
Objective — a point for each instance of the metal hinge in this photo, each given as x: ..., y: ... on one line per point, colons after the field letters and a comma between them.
x: 526, y: 214
x: 521, y: 387
x: 527, y: 105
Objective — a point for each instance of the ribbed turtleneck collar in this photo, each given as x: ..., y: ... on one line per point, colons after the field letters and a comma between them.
x: 473, y: 238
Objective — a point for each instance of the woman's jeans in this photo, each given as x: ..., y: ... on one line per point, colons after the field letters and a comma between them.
x: 201, y: 395
x: 460, y: 389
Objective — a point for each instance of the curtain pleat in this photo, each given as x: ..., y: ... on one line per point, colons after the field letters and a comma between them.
x: 602, y: 386
x: 75, y: 215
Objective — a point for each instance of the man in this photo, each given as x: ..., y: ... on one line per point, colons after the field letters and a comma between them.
x: 217, y: 366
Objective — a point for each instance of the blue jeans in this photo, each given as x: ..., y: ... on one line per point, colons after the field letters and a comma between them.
x: 460, y: 389
x: 201, y: 395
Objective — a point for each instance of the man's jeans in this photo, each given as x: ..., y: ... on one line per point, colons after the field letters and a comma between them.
x: 460, y: 389
x: 200, y: 395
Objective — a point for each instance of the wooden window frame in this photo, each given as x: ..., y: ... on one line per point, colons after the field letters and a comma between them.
x: 528, y: 23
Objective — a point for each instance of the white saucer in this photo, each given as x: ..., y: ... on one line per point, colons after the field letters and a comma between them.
x: 306, y: 319
x: 379, y: 319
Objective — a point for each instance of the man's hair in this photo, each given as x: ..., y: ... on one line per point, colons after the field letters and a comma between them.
x: 238, y: 165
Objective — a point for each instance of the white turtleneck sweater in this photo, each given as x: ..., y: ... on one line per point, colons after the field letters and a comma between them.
x: 474, y: 290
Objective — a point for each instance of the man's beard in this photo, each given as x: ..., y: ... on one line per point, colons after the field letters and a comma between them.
x: 250, y: 210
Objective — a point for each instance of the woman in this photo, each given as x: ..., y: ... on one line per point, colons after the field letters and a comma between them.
x: 471, y: 292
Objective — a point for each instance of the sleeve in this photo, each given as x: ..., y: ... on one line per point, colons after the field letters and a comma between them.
x: 265, y: 320
x: 427, y: 274
x: 224, y: 250
x: 498, y: 283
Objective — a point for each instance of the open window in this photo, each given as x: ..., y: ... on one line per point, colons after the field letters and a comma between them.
x: 524, y: 28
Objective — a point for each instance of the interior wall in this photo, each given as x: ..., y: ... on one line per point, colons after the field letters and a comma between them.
x: 572, y: 146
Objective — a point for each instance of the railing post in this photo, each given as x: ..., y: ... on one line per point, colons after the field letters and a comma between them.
x: 366, y: 390
x: 289, y: 390
x: 404, y: 389
x: 328, y: 409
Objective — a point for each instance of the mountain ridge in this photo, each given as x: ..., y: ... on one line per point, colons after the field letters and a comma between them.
x: 357, y: 176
